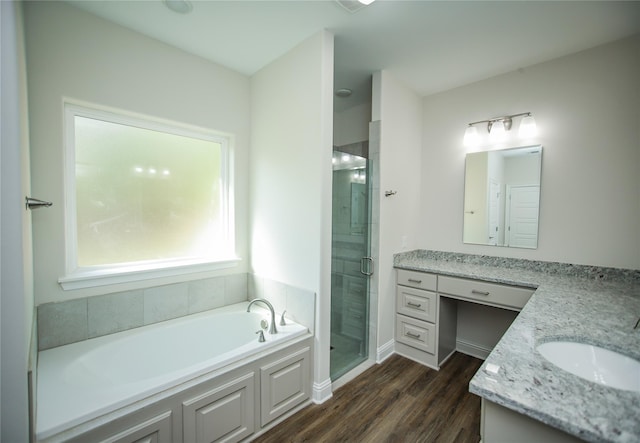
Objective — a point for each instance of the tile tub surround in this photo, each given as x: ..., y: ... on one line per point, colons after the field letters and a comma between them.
x: 580, y: 303
x: 76, y: 320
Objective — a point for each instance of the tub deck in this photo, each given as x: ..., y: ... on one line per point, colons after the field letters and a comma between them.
x: 85, y: 380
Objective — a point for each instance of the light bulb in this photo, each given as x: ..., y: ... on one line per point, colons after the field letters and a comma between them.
x: 528, y: 127
x: 497, y: 132
x: 471, y: 137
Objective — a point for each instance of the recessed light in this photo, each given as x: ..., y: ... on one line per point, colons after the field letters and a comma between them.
x: 344, y: 92
x: 179, y: 6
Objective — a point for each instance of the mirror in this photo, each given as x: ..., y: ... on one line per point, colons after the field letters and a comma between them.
x: 350, y: 205
x: 502, y: 197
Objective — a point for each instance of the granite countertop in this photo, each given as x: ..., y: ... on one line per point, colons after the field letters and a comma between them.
x: 592, y: 305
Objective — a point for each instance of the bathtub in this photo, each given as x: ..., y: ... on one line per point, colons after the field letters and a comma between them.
x: 79, y: 382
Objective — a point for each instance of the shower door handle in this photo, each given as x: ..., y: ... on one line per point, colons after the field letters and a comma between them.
x: 366, y: 270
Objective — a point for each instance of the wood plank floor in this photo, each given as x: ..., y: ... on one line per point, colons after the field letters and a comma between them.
x: 396, y: 401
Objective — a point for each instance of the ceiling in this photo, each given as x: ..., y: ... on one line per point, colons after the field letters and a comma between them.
x: 431, y: 46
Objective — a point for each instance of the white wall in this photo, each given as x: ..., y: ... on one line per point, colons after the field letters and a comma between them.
x: 73, y: 54
x: 351, y: 125
x: 586, y: 107
x: 399, y: 110
x: 290, y: 170
x: 16, y: 291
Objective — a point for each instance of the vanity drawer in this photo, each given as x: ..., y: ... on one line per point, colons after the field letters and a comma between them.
x: 418, y: 280
x: 493, y: 294
x: 416, y: 303
x: 416, y: 333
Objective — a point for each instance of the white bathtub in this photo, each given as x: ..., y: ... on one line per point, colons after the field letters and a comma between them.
x: 82, y: 381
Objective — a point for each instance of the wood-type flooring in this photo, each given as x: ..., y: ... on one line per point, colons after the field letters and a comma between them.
x: 396, y: 401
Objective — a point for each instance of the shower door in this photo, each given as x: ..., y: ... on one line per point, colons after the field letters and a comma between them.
x: 351, y: 263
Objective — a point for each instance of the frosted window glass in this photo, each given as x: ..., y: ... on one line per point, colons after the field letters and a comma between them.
x: 146, y: 195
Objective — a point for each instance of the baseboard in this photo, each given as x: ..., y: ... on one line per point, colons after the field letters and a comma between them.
x: 473, y: 349
x: 385, y: 351
x: 321, y: 392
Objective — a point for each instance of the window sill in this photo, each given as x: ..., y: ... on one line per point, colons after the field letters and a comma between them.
x: 111, y: 276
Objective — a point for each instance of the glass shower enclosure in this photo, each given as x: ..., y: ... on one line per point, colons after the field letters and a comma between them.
x: 351, y: 263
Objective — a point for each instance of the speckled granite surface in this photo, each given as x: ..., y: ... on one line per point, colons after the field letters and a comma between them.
x: 592, y: 305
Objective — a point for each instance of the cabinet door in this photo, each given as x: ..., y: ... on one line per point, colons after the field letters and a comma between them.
x: 284, y: 384
x: 492, y: 294
x: 222, y: 414
x: 416, y: 333
x: 416, y: 303
x: 419, y: 280
x: 154, y: 430
x: 499, y: 424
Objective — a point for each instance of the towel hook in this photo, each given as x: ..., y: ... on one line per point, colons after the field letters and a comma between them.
x: 34, y: 203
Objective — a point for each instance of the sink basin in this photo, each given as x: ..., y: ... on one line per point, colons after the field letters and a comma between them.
x: 599, y: 365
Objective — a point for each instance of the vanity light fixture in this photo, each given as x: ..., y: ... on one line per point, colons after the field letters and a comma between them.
x: 497, y: 127
x: 498, y: 130
x: 528, y: 127
x: 471, y: 136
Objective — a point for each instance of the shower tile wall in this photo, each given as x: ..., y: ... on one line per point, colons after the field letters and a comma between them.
x: 347, y: 251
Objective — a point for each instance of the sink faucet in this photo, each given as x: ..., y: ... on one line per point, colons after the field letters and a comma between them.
x: 272, y: 326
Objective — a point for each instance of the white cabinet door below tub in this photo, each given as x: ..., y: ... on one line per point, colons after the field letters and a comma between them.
x: 284, y: 384
x: 221, y: 414
x: 155, y: 430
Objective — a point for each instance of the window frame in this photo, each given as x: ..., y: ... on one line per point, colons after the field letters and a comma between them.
x: 77, y: 277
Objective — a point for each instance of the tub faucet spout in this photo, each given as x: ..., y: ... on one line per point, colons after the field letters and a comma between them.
x: 272, y: 326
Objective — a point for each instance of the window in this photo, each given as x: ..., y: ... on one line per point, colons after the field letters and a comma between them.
x: 144, y: 198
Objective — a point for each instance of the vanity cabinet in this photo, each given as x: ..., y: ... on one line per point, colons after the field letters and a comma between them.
x: 416, y: 301
x: 499, y: 424
x: 439, y: 314
x: 420, y: 333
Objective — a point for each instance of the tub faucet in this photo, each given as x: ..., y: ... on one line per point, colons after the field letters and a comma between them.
x: 272, y: 326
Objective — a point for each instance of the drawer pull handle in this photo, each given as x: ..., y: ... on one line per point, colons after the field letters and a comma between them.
x: 414, y: 305
x: 413, y: 280
x: 412, y: 335
x: 475, y: 291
